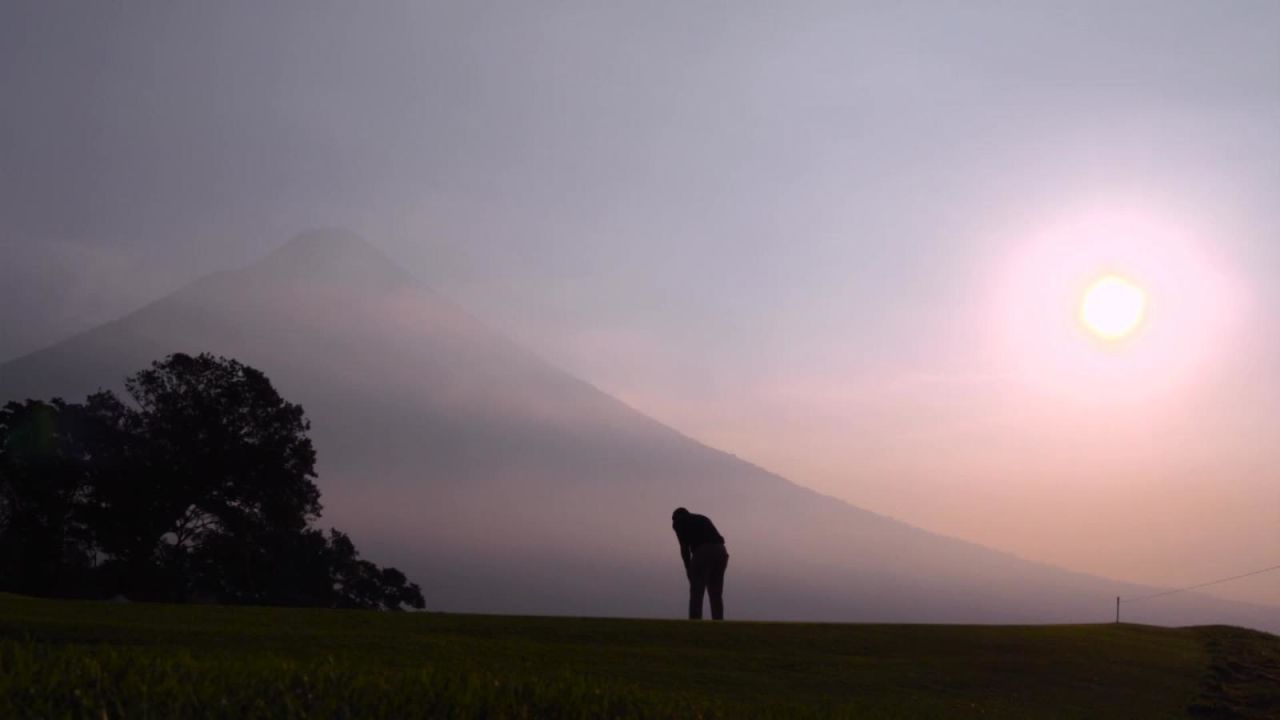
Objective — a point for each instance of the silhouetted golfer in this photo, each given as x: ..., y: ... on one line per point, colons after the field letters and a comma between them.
x: 705, y: 559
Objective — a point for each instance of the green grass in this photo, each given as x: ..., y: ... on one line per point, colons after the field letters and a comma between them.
x: 61, y: 659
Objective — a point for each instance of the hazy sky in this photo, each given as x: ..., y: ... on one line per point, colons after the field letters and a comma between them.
x: 843, y: 240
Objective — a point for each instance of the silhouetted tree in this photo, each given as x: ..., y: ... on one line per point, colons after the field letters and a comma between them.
x: 361, y: 584
x: 39, y: 481
x: 47, y: 470
x: 224, y: 456
x: 306, y: 568
x: 203, y: 487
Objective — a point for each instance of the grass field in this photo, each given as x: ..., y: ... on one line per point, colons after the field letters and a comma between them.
x: 97, y: 660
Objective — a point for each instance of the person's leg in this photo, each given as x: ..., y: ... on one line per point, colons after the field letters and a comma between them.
x: 698, y: 576
x: 697, y: 586
x: 715, y: 584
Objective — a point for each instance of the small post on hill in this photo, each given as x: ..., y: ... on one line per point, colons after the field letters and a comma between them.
x: 1117, y: 609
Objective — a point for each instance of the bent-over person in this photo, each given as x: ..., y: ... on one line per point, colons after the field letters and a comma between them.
x: 705, y: 560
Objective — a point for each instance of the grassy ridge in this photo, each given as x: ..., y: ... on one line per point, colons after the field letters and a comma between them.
x: 79, y: 659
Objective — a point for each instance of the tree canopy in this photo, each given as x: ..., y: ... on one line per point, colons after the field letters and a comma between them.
x: 201, y: 487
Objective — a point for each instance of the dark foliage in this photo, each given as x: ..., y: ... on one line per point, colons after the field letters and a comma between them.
x: 201, y: 489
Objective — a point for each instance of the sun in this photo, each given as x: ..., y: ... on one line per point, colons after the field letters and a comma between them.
x: 1113, y: 307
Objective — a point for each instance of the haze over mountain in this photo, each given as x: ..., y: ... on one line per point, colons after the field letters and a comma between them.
x: 503, y: 484
x: 848, y: 241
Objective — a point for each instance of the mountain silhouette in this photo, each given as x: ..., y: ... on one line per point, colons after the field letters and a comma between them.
x: 503, y: 484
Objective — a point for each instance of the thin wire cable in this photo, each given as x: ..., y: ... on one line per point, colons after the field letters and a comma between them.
x: 1196, y: 587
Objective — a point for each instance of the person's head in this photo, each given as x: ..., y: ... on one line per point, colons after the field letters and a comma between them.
x: 679, y: 513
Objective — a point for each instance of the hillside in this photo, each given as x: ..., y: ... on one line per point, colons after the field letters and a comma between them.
x: 259, y: 662
x: 503, y: 484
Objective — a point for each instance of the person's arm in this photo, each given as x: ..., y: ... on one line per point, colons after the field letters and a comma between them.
x: 686, y: 552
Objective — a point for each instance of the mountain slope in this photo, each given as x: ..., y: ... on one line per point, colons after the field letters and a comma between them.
x: 503, y: 484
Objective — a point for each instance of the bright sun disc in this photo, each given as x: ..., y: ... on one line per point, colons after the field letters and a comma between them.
x: 1113, y: 307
